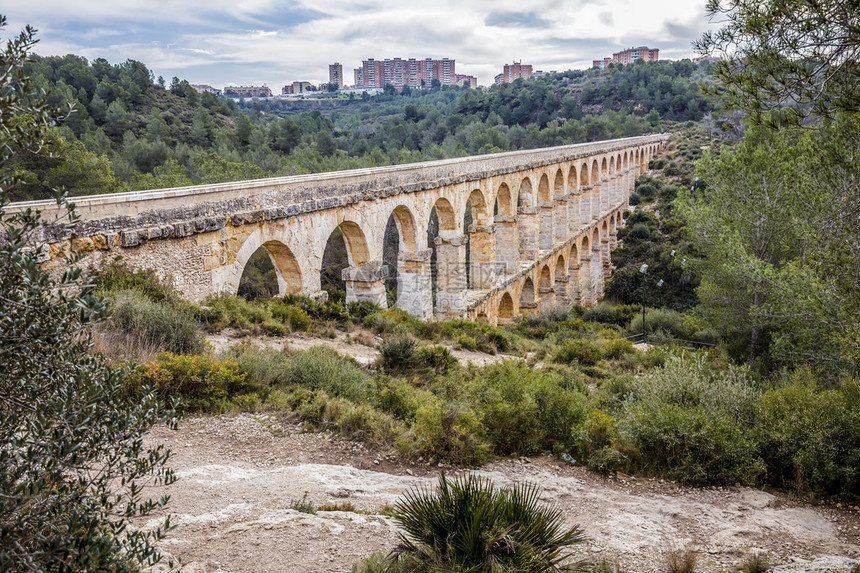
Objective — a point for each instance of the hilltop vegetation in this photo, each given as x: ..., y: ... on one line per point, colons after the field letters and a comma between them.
x: 129, y: 131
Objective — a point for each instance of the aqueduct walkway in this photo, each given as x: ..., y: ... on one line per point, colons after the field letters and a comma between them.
x: 544, y: 222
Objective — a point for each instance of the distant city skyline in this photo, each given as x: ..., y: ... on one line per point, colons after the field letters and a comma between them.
x: 275, y: 43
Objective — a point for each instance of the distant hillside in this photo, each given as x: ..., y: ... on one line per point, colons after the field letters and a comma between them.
x: 132, y: 131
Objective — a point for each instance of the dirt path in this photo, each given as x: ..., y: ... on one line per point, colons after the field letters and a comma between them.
x: 239, y: 475
x: 349, y: 346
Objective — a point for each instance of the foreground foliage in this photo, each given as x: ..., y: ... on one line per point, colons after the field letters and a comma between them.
x: 470, y: 525
x: 72, y: 460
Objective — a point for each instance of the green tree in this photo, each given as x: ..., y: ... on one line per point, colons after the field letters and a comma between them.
x: 745, y: 218
x: 792, y: 57
x: 73, y: 461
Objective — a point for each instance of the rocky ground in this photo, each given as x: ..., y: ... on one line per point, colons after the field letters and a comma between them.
x: 239, y: 475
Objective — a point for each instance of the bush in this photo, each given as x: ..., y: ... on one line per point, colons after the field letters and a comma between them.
x: 469, y: 525
x: 273, y: 327
x: 467, y: 343
x: 263, y: 366
x: 318, y: 410
x: 116, y: 276
x: 691, y: 445
x: 359, y: 310
x: 328, y: 310
x: 662, y: 320
x: 386, y: 322
x: 220, y: 311
x: 166, y: 324
x: 526, y: 411
x: 322, y: 368
x: 810, y: 438
x: 475, y: 336
x: 397, y: 397
x: 398, y: 352
x: 689, y: 422
x: 608, y: 461
x: 619, y: 315
x: 200, y: 383
x: 438, y: 358
x: 446, y: 431
x: 579, y: 350
x: 293, y: 316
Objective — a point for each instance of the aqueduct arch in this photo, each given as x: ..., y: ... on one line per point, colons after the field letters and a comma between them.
x: 287, y: 270
x: 200, y: 238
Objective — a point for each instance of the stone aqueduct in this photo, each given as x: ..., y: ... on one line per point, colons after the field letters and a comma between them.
x: 544, y: 222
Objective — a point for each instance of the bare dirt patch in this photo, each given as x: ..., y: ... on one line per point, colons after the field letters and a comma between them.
x: 239, y: 475
x: 347, y: 344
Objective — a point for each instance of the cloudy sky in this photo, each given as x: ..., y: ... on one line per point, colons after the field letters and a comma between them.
x: 252, y: 42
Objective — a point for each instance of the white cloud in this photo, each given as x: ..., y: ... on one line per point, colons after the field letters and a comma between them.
x: 268, y: 40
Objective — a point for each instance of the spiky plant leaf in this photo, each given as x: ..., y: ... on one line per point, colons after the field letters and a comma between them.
x: 469, y: 525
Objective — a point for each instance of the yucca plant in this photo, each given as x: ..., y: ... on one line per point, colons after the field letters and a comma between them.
x: 469, y: 525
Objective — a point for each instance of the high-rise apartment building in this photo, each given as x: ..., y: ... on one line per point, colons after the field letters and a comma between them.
x: 399, y: 72
x: 629, y: 56
x: 513, y: 72
x: 335, y: 74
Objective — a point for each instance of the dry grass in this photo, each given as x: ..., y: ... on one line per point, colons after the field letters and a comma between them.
x: 118, y: 346
x: 756, y: 563
x: 681, y: 561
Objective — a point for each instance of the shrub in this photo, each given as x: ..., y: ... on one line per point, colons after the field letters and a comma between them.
x: 524, y: 410
x: 447, y: 431
x: 328, y: 310
x: 467, y: 343
x: 263, y: 366
x: 116, y: 276
x: 200, y: 383
x: 691, y: 445
x: 397, y: 397
x: 483, y: 337
x: 689, y: 421
x: 756, y: 563
x: 615, y: 349
x: 294, y: 317
x: 608, y: 461
x: 646, y: 190
x: 601, y: 313
x: 437, y: 357
x: 361, y: 309
x: 168, y: 325
x: 579, y: 350
x: 468, y: 524
x: 386, y: 321
x: 398, y: 352
x: 322, y: 368
x: 810, y: 438
x: 357, y: 421
x: 220, y: 311
x: 663, y: 320
x: 273, y: 327
x: 597, y: 431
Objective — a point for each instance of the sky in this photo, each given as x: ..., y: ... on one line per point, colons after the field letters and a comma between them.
x: 276, y: 42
